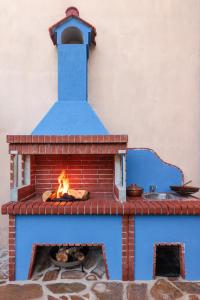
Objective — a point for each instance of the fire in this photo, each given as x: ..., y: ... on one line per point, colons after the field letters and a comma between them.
x: 64, y: 192
x: 63, y: 185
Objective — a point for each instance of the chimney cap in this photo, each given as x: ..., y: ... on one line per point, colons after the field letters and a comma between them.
x: 72, y: 11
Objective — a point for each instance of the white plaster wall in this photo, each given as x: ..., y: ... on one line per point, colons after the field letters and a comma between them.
x: 144, y: 74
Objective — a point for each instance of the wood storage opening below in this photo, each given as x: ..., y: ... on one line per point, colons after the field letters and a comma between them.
x: 169, y: 260
x: 68, y: 261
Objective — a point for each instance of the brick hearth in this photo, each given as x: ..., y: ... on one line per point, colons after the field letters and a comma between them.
x: 102, y: 204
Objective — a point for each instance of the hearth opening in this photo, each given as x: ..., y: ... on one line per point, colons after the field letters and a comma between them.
x: 169, y: 260
x: 72, y: 177
x: 68, y: 261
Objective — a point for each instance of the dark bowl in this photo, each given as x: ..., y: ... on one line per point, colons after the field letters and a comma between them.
x: 184, y: 190
x: 72, y: 263
x: 134, y: 193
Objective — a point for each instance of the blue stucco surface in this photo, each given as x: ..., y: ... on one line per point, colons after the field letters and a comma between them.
x: 145, y: 168
x: 70, y: 117
x: 68, y: 229
x: 71, y: 114
x: 72, y: 73
x: 166, y: 229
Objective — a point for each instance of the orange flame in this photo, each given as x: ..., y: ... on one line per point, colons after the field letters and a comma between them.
x: 63, y: 185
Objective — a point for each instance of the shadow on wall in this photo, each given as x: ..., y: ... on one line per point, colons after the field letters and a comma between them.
x: 145, y: 168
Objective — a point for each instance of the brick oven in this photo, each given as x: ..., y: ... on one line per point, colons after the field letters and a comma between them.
x: 69, y: 139
x: 95, y: 163
x: 130, y: 236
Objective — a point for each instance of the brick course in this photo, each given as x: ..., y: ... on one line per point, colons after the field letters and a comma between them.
x: 70, y: 144
x: 101, y: 204
x: 66, y: 139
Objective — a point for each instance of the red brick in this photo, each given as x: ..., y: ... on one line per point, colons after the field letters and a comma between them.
x: 177, y: 207
x: 94, y: 207
x: 48, y: 208
x: 28, y: 138
x: 53, y: 138
x: 4, y: 208
x: 87, y: 207
x: 74, y: 207
x: 55, y: 207
x: 171, y: 207
x: 67, y: 208
x: 23, y: 208
x: 190, y: 208
x: 35, y: 208
x: 17, y: 208
x: 47, y: 139
x: 35, y: 139
x: 164, y: 209
x: 81, y: 208
x: 197, y: 209
x: 10, y: 139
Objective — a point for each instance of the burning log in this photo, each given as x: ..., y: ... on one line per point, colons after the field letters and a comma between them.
x: 64, y: 193
x: 46, y: 195
x: 70, y: 196
x: 79, y: 194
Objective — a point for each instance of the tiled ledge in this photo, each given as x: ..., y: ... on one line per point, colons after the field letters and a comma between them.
x: 103, y: 206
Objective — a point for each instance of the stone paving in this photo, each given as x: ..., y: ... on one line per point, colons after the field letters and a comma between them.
x: 76, y: 286
x: 66, y: 289
x: 3, y: 264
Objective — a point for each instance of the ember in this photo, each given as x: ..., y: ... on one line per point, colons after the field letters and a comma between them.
x: 64, y: 193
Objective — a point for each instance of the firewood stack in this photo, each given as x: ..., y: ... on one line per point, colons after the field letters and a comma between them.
x: 72, y: 194
x: 73, y: 253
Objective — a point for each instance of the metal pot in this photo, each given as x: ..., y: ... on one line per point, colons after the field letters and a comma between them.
x: 134, y: 191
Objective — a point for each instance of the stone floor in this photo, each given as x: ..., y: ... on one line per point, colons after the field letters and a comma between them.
x: 67, y: 289
x: 3, y: 264
x: 64, y: 285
